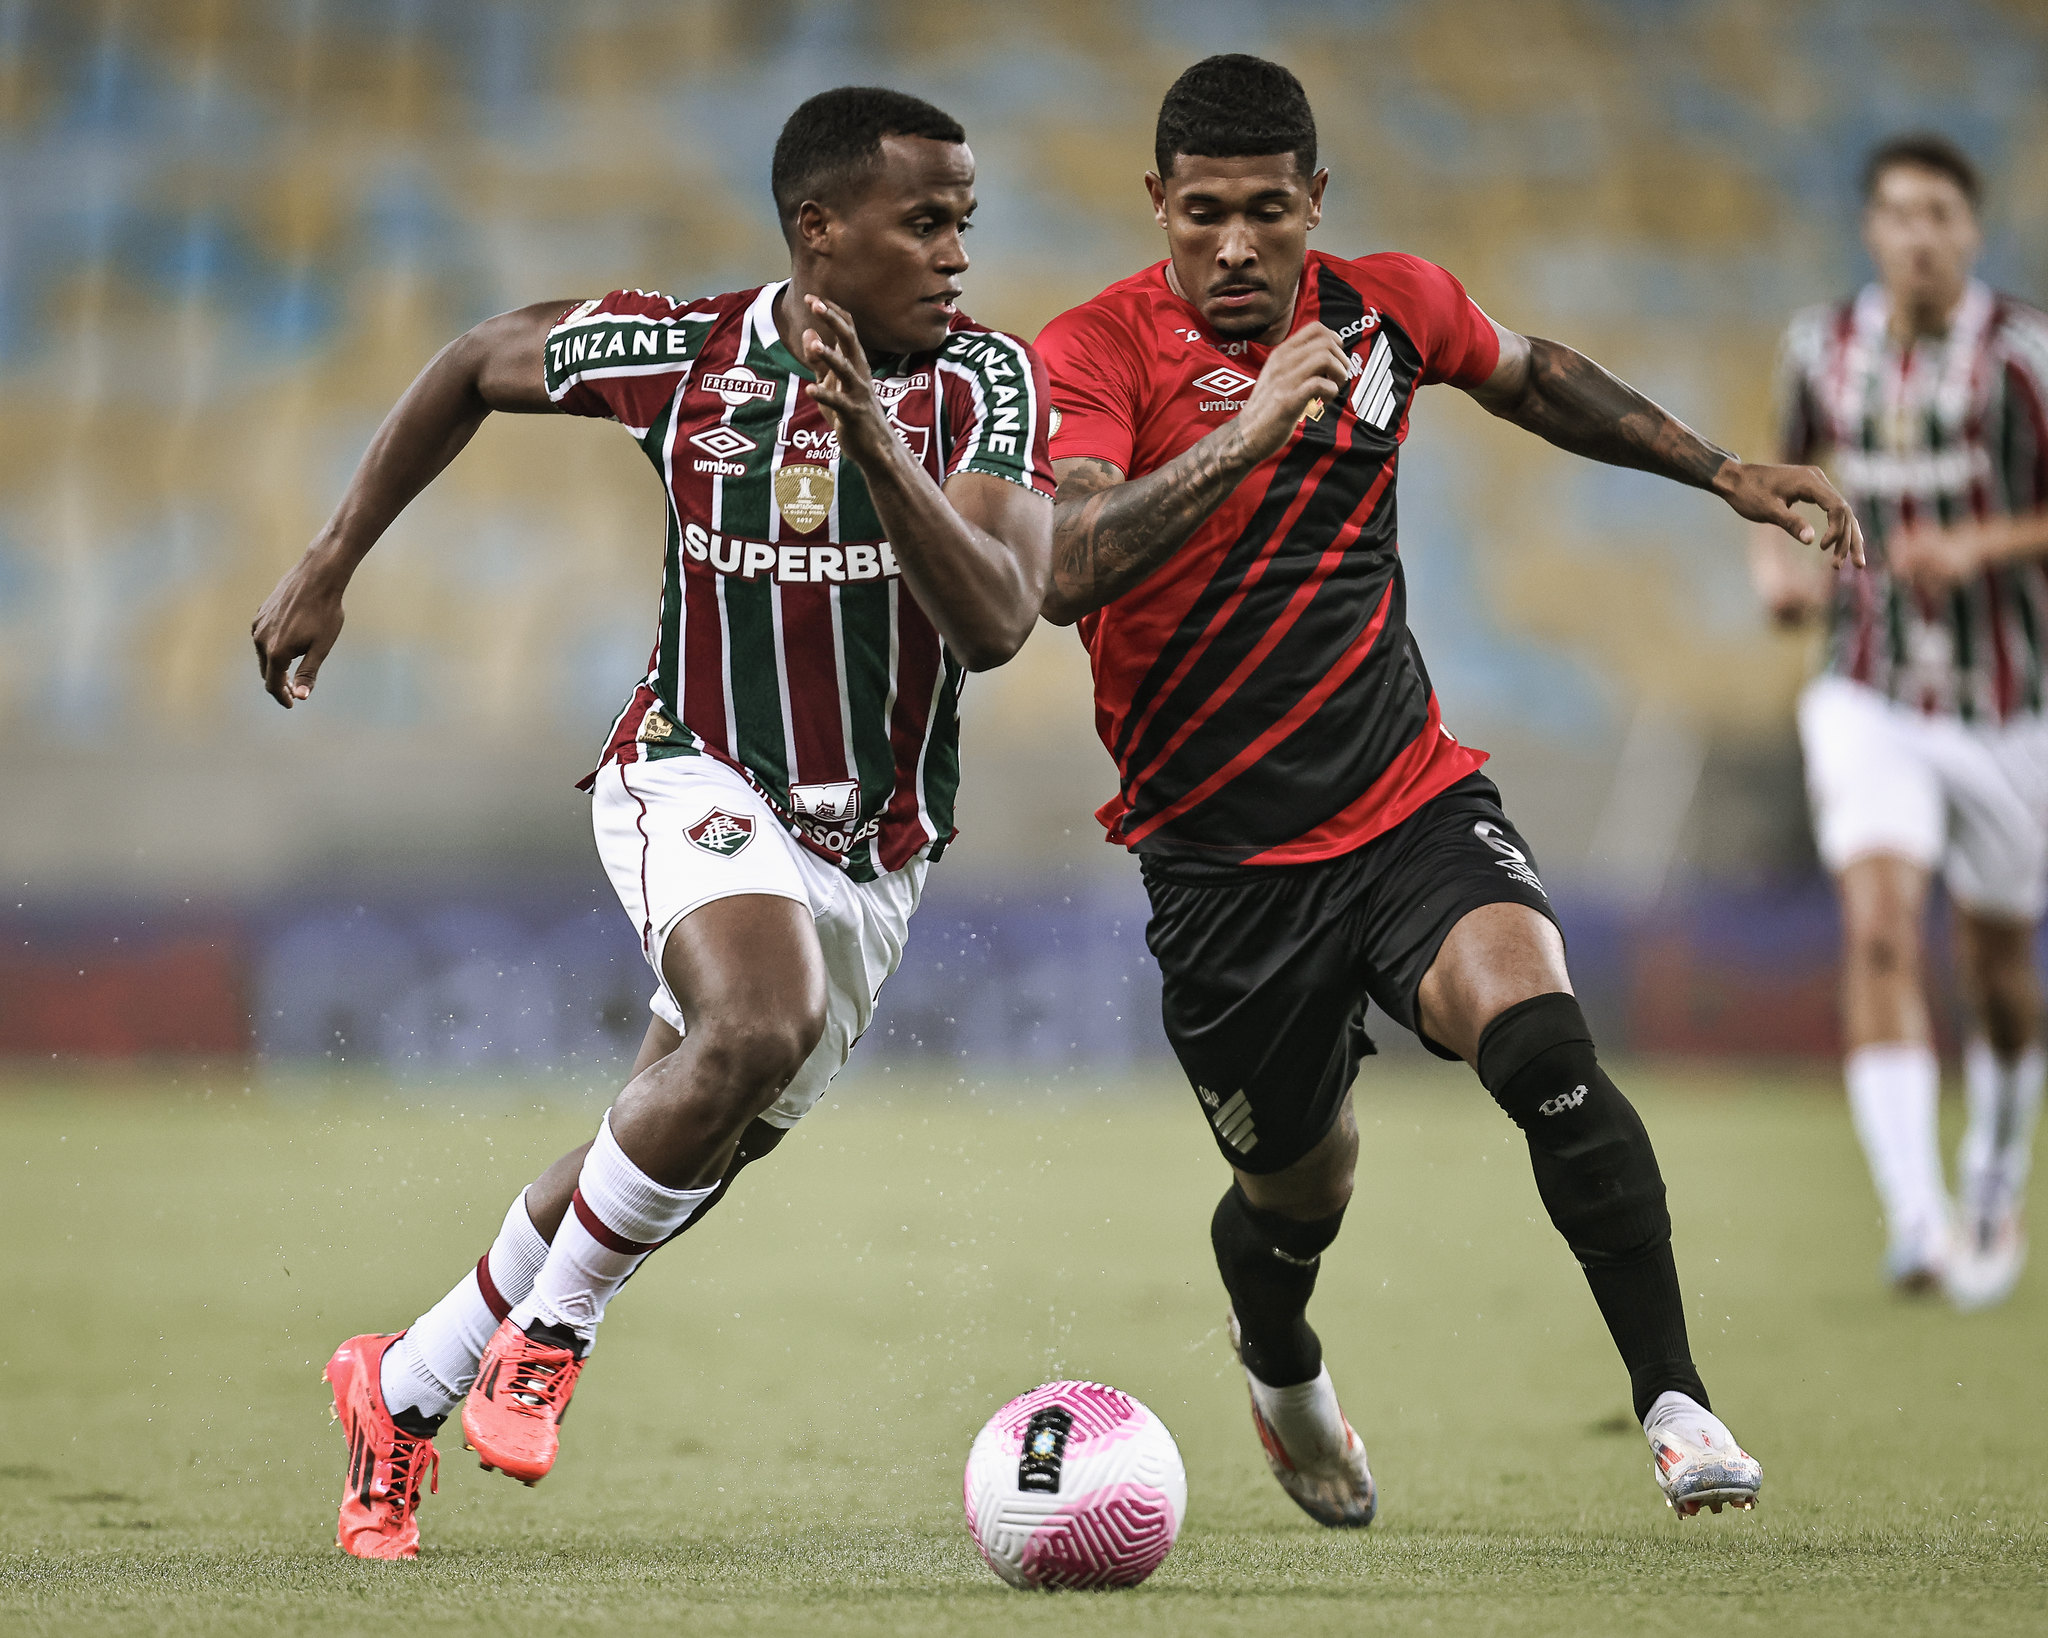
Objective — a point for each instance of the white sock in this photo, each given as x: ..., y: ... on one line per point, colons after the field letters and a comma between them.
x: 1686, y: 1415
x: 617, y: 1216
x: 1894, y: 1088
x: 1998, y: 1147
x: 1307, y: 1419
x: 430, y: 1368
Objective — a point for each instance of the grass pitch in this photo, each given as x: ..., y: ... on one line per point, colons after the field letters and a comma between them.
x: 770, y: 1436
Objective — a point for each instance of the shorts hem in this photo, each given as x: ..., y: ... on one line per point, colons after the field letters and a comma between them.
x: 1459, y: 910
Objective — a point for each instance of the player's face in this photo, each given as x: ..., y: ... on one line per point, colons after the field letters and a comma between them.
x: 1237, y: 230
x: 1923, y: 236
x: 896, y: 256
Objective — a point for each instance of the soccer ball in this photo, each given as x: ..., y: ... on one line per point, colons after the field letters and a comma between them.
x: 1075, y: 1485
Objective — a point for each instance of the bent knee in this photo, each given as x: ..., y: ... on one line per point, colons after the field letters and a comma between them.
x: 758, y: 1053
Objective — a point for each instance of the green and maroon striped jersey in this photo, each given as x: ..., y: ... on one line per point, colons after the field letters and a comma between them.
x: 1941, y: 431
x: 787, y: 645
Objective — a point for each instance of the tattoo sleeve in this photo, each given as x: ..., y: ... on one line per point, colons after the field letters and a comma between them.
x: 1109, y: 533
x: 1573, y: 403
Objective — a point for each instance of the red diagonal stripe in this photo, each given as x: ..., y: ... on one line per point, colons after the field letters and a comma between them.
x: 602, y: 1235
x: 1252, y: 576
x: 1300, y: 712
x: 1303, y: 595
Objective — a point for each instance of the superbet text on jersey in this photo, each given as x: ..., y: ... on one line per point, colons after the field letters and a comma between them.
x: 1261, y: 692
x: 787, y: 646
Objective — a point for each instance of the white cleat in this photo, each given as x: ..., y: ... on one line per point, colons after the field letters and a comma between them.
x: 1697, y: 1461
x: 1313, y: 1451
x: 1986, y: 1262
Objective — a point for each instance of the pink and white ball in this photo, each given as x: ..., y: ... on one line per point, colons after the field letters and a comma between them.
x: 1075, y: 1485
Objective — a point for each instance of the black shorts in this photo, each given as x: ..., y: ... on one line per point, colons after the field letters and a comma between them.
x: 1267, y: 968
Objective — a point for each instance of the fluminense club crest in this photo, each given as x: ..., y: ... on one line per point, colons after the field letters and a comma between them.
x: 721, y: 832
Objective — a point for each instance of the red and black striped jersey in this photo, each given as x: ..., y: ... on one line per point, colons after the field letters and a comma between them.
x: 786, y: 645
x: 1943, y: 430
x: 1261, y: 693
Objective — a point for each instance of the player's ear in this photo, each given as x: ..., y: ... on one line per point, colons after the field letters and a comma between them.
x: 813, y: 228
x: 1157, y: 189
x: 1316, y: 184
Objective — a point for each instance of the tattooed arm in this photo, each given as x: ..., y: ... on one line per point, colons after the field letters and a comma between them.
x: 1109, y: 533
x: 1564, y: 397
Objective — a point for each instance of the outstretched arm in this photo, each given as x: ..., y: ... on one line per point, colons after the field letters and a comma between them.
x: 1567, y: 399
x: 1109, y: 534
x: 496, y: 366
x: 975, y: 554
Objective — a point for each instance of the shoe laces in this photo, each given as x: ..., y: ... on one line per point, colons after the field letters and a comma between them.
x: 537, y: 1384
x: 408, y: 1469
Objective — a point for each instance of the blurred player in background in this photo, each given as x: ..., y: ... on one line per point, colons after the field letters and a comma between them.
x: 858, y: 512
x: 1310, y: 833
x: 1926, y: 747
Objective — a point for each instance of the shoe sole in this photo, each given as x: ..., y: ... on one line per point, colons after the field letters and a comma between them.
x: 1743, y: 1501
x: 489, y: 1467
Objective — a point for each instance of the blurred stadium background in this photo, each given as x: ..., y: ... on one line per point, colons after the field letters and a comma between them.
x: 232, y: 230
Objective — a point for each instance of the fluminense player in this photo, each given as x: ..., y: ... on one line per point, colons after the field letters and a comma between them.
x: 859, y: 512
x: 1310, y: 833
x: 1926, y: 746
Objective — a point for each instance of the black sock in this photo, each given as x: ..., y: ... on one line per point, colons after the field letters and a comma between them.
x: 1598, y: 1177
x: 411, y: 1421
x: 1268, y: 1263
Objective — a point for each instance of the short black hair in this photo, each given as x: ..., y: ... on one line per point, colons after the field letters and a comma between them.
x: 835, y: 139
x: 1234, y: 107
x: 1930, y: 151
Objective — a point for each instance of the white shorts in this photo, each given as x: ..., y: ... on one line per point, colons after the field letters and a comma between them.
x: 678, y: 833
x: 1969, y: 799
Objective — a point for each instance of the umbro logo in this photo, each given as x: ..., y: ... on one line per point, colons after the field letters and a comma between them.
x: 1563, y: 1101
x: 1226, y: 382
x: 723, y: 442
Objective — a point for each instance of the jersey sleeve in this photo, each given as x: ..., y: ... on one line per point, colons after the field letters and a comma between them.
x: 620, y: 357
x: 1094, y: 386
x: 1794, y: 407
x: 2022, y: 455
x: 997, y: 409
x: 1459, y: 344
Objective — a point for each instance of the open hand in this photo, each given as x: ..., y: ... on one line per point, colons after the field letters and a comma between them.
x: 1765, y: 494
x: 300, y: 620
x: 844, y: 387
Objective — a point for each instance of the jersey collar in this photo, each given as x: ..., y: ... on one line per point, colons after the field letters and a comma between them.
x: 761, y: 331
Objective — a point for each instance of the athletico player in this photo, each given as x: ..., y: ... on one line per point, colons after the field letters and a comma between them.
x: 859, y: 511
x: 1926, y: 746
x: 1228, y: 424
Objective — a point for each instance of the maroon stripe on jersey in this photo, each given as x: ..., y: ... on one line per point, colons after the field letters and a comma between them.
x: 493, y: 1299
x: 2004, y: 683
x: 810, y: 662
x: 604, y: 1236
x: 1296, y: 715
x: 1132, y: 732
x: 1303, y: 595
x: 2022, y: 385
x: 700, y: 677
x: 903, y: 832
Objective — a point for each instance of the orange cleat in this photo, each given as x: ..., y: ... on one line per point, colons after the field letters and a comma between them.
x: 522, y: 1389
x: 380, y: 1496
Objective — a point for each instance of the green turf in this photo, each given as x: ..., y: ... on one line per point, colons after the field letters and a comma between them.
x: 770, y: 1437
